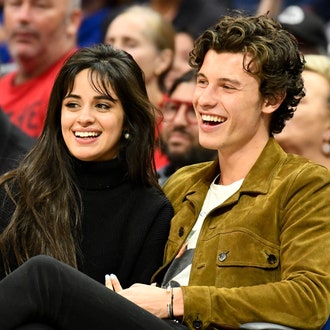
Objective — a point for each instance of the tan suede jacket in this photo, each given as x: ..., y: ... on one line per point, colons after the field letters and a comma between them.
x: 264, y: 254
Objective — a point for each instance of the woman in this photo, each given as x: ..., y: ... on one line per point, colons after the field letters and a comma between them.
x: 149, y: 38
x: 87, y: 193
x: 308, y: 133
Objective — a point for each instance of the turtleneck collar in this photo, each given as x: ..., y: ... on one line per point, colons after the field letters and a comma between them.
x: 100, y: 175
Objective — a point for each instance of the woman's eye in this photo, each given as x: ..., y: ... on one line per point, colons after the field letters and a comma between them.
x: 71, y: 105
x: 201, y: 82
x: 103, y: 106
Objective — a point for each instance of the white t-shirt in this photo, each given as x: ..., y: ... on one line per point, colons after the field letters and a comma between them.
x: 179, y: 271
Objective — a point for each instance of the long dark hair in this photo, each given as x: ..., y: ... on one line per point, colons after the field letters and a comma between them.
x: 46, y: 217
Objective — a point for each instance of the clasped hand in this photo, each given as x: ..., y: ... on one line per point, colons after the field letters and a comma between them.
x: 149, y: 297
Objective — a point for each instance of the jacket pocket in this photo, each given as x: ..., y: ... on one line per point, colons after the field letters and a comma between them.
x: 244, y: 258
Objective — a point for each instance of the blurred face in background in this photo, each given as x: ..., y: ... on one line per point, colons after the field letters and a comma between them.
x: 184, y: 43
x: 129, y: 32
x: 39, y: 27
x: 179, y: 130
x: 305, y: 132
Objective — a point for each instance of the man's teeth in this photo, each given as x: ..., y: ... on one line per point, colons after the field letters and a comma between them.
x: 86, y: 134
x: 215, y: 119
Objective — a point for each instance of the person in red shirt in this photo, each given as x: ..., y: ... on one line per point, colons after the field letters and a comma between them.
x: 40, y: 38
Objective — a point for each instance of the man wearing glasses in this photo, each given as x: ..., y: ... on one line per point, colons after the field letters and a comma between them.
x: 179, y: 130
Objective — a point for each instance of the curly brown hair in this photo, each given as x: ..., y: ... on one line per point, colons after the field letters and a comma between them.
x: 275, y: 58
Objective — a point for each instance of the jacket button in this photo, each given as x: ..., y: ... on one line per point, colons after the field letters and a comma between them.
x: 181, y: 231
x: 197, y: 324
x: 271, y: 259
x: 222, y: 256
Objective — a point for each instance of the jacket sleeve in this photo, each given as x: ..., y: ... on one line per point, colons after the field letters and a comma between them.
x: 301, y: 297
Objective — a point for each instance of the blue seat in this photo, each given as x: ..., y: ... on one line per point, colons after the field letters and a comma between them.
x: 327, y: 325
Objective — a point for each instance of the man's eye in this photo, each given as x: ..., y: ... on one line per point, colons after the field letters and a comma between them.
x: 201, y: 82
x: 170, y: 106
x: 228, y: 87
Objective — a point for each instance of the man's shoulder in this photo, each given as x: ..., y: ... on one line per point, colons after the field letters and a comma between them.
x: 192, y: 170
x: 298, y: 165
x: 189, y: 175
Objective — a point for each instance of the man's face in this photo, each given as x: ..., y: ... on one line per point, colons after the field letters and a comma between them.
x: 231, y: 114
x: 179, y: 132
x: 36, y: 27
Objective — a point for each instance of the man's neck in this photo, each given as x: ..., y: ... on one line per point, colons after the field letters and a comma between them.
x: 236, y: 166
x: 31, y: 68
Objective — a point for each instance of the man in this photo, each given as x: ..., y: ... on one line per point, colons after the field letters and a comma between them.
x: 250, y: 239
x: 40, y: 37
x: 179, y: 129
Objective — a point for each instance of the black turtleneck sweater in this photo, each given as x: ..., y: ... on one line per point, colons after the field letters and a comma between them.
x: 124, y: 226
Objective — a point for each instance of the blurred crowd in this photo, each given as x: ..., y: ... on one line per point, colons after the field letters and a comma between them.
x: 37, y: 37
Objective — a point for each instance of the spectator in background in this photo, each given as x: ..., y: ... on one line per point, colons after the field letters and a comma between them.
x: 94, y: 14
x: 179, y: 132
x: 294, y: 18
x: 308, y: 132
x: 39, y: 38
x: 5, y: 60
x: 14, y: 144
x: 149, y: 38
x: 184, y: 43
x: 190, y: 15
x: 307, y: 27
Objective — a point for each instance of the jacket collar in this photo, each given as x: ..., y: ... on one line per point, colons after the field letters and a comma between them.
x: 258, y: 179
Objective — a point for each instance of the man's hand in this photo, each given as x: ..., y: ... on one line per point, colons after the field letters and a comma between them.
x: 148, y: 297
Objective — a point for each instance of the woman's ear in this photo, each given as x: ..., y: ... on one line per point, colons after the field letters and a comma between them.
x: 326, y: 140
x: 164, y: 61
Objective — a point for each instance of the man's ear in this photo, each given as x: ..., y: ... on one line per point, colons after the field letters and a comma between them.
x: 272, y: 102
x: 74, y: 22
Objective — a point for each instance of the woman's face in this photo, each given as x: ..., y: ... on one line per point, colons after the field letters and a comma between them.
x: 129, y: 32
x: 303, y: 133
x: 91, y: 123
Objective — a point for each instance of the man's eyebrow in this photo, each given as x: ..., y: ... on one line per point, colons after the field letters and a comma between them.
x: 230, y: 80
x: 221, y: 79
